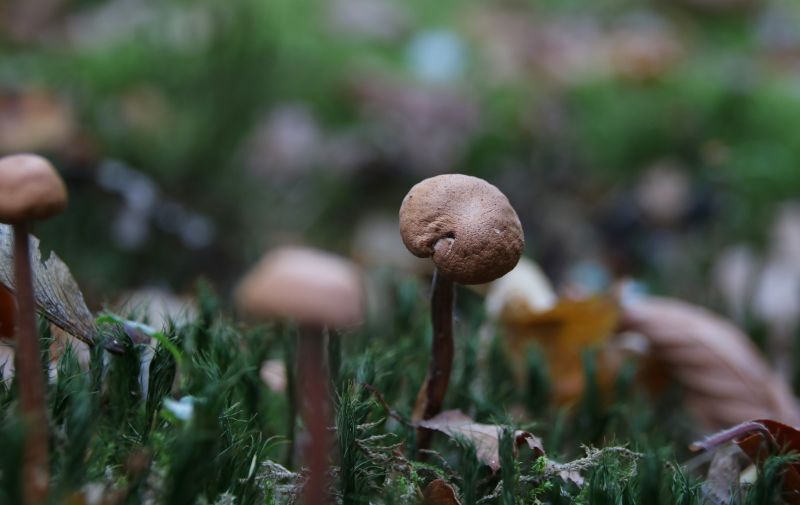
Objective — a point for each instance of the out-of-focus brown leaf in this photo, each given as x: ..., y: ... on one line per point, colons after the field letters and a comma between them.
x: 485, y: 437
x: 725, y: 379
x: 563, y: 333
x: 57, y: 294
x: 760, y: 439
x: 439, y: 492
x: 8, y: 309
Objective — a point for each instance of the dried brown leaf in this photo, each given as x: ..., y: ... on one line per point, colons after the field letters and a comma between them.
x: 439, y: 492
x: 57, y: 294
x: 485, y: 437
x: 563, y: 333
x: 725, y: 379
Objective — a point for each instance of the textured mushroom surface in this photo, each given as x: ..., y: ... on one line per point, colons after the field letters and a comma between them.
x: 30, y: 189
x: 466, y: 225
x: 309, y: 287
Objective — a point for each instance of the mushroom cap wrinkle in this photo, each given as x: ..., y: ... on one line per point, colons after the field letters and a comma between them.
x: 30, y: 189
x: 465, y: 225
x: 306, y: 286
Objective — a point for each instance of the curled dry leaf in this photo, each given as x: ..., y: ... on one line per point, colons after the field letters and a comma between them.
x: 439, y: 492
x: 485, y: 437
x: 57, y: 294
x: 724, y: 378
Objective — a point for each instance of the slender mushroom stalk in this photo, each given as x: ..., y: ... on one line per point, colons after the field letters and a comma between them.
x: 30, y: 189
x: 431, y: 394
x: 473, y: 235
x: 316, y: 290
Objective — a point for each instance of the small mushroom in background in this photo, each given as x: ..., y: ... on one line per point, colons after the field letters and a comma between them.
x: 473, y: 235
x: 315, y: 290
x: 30, y: 190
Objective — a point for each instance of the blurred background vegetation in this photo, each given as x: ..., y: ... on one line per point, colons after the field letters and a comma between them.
x: 656, y: 139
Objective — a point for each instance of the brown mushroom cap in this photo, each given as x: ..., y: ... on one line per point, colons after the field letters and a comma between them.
x: 30, y: 189
x: 309, y: 287
x: 466, y: 225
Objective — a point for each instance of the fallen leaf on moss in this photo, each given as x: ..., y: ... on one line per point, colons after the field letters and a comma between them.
x: 57, y: 294
x: 439, y: 492
x: 485, y: 437
x: 725, y: 379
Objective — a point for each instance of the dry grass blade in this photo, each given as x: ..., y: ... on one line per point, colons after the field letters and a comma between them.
x: 725, y: 379
x: 57, y: 294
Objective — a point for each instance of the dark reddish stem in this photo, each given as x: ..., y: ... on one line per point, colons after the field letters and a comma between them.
x: 431, y: 396
x: 35, y: 471
x: 315, y: 409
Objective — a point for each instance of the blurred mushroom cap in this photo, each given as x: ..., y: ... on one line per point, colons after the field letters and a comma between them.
x: 466, y: 225
x: 309, y: 287
x: 30, y: 189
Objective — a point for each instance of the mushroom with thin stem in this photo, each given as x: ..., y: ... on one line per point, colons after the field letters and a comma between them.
x: 315, y: 290
x: 30, y: 190
x: 473, y: 235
